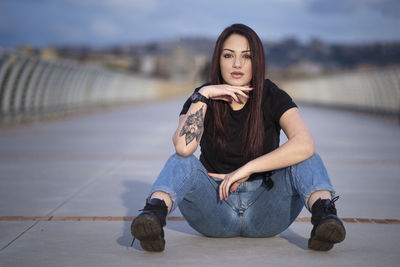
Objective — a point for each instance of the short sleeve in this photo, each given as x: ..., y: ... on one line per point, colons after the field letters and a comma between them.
x: 283, y: 103
x: 187, y: 103
x: 185, y: 107
x: 279, y: 101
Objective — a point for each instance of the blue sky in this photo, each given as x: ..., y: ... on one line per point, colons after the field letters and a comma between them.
x: 108, y: 22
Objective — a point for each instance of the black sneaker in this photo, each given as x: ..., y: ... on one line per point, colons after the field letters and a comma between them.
x: 328, y: 228
x: 148, y: 225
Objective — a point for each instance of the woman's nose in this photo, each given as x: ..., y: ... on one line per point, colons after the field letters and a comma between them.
x: 237, y: 63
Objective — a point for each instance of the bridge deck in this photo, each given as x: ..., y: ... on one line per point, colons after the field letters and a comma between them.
x: 68, y: 187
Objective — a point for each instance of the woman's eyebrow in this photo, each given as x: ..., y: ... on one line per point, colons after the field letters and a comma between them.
x: 244, y: 51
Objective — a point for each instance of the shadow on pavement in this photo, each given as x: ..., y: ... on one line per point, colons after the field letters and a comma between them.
x: 294, y: 238
x: 133, y: 199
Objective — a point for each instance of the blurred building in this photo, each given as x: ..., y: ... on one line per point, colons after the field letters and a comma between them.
x: 49, y: 53
x: 188, y: 59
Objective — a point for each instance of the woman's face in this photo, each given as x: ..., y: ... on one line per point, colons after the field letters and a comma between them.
x: 235, y: 61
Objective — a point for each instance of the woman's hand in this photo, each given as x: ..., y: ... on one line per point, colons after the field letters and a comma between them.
x: 225, y: 92
x: 234, y: 178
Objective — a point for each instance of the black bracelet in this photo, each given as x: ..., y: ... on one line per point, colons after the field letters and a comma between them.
x: 196, y: 97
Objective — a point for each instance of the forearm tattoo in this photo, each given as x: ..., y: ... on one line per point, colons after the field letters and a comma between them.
x: 193, y: 127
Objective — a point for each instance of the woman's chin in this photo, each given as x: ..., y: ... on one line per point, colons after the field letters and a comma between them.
x: 237, y: 83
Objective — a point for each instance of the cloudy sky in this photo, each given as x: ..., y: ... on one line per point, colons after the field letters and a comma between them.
x: 107, y: 22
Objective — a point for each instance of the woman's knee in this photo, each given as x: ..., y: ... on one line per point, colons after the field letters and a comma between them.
x: 310, y: 176
x: 177, y: 159
x: 312, y: 165
x: 314, y: 160
x: 184, y: 163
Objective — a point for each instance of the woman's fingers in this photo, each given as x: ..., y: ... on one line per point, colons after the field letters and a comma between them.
x: 235, y: 186
x: 224, y: 186
x: 225, y: 95
x: 241, y: 88
x: 221, y: 186
x: 241, y: 92
x: 222, y: 193
x: 222, y: 190
x: 227, y: 186
x: 224, y: 98
x: 233, y: 95
x: 245, y: 88
x: 228, y: 93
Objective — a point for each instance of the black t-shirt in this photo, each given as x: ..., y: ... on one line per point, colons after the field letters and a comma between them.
x: 274, y: 103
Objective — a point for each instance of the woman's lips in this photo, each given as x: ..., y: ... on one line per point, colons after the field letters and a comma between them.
x: 237, y: 74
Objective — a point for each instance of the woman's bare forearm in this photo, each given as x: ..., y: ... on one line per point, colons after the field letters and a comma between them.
x: 299, y: 147
x: 295, y: 150
x: 190, y: 130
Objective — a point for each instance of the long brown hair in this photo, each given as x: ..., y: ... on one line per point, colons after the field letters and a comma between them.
x: 254, y: 136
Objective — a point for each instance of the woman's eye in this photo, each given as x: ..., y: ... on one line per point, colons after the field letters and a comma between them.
x: 247, y: 56
x: 227, y: 56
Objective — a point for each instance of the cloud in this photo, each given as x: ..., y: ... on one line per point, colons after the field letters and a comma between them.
x: 138, y: 5
x: 389, y: 8
x: 105, y: 28
x: 386, y: 7
x: 103, y: 22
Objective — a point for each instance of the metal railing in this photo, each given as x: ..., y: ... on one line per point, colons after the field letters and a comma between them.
x: 375, y: 91
x: 33, y: 86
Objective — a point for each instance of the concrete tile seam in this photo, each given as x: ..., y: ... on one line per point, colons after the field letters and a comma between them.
x: 18, y: 236
x: 162, y: 157
x: 172, y: 218
x: 49, y: 216
x: 85, y: 157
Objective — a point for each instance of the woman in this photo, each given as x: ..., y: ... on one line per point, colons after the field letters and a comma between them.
x: 244, y: 184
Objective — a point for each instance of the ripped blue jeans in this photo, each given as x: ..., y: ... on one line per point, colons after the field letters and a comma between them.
x: 252, y: 210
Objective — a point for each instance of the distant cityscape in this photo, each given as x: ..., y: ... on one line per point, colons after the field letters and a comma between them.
x: 189, y: 58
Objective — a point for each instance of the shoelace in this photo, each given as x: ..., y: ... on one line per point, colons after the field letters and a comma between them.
x: 331, y: 207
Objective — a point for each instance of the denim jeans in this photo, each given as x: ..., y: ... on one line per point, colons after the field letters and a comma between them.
x: 252, y: 210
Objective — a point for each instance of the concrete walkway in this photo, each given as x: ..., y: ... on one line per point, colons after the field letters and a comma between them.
x: 68, y: 188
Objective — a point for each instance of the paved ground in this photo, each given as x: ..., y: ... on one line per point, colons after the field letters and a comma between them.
x: 70, y: 186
